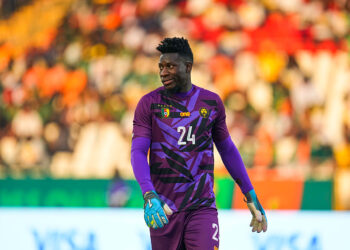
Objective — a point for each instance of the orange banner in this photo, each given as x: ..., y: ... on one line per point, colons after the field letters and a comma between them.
x: 273, y: 194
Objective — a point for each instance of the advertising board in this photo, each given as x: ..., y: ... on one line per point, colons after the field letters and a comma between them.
x: 124, y: 229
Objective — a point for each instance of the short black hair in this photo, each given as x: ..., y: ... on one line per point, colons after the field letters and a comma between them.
x: 176, y: 45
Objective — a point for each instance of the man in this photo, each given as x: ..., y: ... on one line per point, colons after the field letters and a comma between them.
x: 179, y: 122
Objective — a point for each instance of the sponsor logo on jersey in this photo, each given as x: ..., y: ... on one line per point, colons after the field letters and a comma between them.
x: 185, y: 114
x: 165, y: 112
x: 203, y: 112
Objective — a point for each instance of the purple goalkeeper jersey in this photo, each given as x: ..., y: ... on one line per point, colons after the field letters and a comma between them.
x: 182, y: 129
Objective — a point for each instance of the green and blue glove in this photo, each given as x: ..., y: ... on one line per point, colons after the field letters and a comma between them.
x: 156, y: 210
x: 259, y: 220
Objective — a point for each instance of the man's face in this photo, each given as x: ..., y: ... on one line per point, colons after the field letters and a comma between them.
x: 173, y: 72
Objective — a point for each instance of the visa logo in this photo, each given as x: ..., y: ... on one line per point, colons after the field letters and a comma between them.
x: 64, y: 240
x: 294, y: 241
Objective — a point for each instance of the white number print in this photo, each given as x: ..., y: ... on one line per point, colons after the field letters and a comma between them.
x: 215, y: 235
x: 190, y: 137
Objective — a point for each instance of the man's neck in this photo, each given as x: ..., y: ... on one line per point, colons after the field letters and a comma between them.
x: 187, y: 88
x: 184, y: 94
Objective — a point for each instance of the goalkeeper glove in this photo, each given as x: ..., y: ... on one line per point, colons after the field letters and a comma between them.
x: 155, y: 210
x: 259, y: 221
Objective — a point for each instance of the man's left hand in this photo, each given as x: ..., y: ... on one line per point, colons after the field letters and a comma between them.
x: 259, y: 220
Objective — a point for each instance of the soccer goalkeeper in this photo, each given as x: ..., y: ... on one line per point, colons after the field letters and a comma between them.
x: 178, y: 123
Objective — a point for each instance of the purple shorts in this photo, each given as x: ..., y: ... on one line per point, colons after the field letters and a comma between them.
x: 192, y: 230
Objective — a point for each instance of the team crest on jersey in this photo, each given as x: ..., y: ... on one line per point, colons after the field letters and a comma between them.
x: 203, y: 112
x: 165, y: 112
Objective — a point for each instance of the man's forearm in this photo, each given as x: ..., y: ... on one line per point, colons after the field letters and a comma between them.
x: 234, y: 164
x: 139, y: 150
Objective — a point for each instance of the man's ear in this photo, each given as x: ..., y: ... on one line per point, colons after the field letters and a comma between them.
x: 188, y: 67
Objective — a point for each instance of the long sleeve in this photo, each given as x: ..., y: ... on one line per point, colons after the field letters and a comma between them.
x: 139, y: 150
x: 234, y: 164
x: 228, y: 151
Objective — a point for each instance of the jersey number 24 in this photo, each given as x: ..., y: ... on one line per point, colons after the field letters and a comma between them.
x: 190, y: 137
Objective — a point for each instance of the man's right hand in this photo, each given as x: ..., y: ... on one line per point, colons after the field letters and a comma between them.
x: 155, y: 210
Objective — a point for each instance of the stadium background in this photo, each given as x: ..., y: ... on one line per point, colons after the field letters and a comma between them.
x: 72, y: 72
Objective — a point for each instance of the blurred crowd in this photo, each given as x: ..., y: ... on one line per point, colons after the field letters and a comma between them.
x: 72, y: 72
